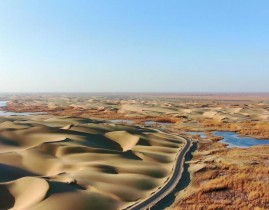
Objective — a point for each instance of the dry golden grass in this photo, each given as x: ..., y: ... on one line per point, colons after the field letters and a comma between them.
x: 234, y: 179
x: 212, y: 124
x: 258, y: 129
x: 255, y: 129
x: 167, y: 119
x: 230, y: 187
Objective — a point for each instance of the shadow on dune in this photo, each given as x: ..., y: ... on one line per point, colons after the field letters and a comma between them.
x: 53, y: 147
x: 97, y: 141
x: 106, y: 169
x: 7, y: 201
x: 143, y: 142
x: 10, y: 173
x: 60, y: 187
x: 77, y: 137
x: 8, y: 142
x: 183, y: 183
x: 130, y: 155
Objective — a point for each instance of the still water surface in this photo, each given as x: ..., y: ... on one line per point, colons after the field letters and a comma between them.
x: 233, y: 139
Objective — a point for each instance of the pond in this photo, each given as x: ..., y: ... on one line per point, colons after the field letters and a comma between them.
x: 234, y: 140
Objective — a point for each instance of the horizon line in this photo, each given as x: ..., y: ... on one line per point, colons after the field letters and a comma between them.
x: 136, y: 92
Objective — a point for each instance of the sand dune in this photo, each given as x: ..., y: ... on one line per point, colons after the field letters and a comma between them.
x: 15, y: 196
x: 75, y: 163
x: 210, y: 114
x: 125, y: 139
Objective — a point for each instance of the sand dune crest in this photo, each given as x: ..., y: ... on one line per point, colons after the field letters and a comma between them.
x: 23, y: 193
x: 125, y: 139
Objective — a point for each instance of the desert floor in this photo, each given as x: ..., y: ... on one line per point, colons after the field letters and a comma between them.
x: 103, y: 148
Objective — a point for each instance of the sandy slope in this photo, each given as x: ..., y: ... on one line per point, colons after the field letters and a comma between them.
x: 75, y: 163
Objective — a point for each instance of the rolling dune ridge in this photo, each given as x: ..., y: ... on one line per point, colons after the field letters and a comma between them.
x: 75, y: 163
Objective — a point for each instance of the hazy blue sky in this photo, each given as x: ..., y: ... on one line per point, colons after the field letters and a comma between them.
x: 134, y: 45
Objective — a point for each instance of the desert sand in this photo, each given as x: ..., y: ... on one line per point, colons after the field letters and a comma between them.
x: 49, y: 162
